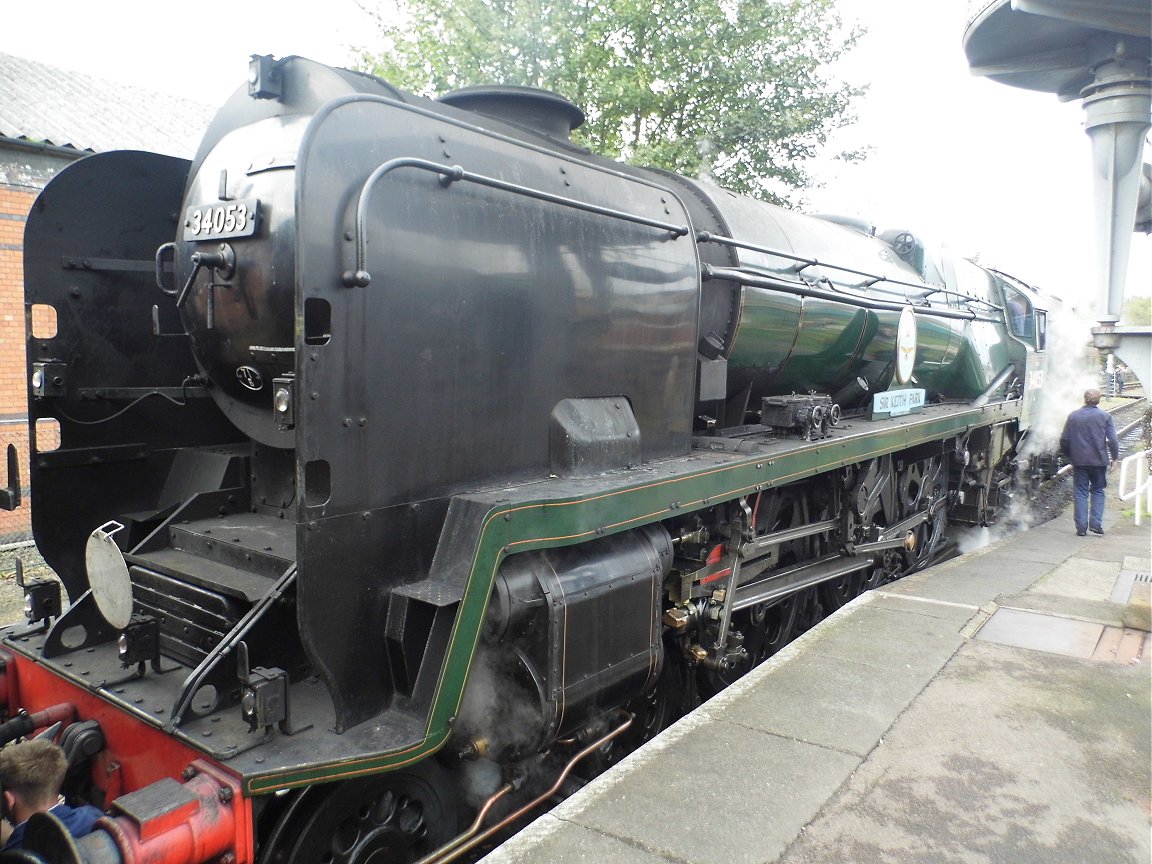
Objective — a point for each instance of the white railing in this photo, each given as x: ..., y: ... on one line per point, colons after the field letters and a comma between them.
x: 1137, y: 465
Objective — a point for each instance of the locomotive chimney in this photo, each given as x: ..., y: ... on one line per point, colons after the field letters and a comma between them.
x: 539, y: 110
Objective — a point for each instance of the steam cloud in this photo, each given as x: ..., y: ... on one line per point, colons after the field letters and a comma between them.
x: 1071, y: 366
x: 499, y: 708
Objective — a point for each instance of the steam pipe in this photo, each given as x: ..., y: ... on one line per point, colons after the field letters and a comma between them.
x: 472, y: 829
x: 23, y: 723
x: 452, y: 851
x: 997, y: 382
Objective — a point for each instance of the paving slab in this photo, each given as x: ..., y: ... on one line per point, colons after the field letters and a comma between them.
x: 1138, y: 611
x: 1121, y: 645
x: 984, y: 579
x: 835, y: 703
x: 667, y: 806
x: 1039, y: 544
x: 559, y: 842
x: 1041, y: 632
x: 1008, y: 756
x: 814, y: 693
x: 1132, y: 572
x: 887, y: 640
x: 1116, y: 546
x: 946, y: 610
x: 1101, y: 611
x: 1080, y: 578
x: 1140, y: 563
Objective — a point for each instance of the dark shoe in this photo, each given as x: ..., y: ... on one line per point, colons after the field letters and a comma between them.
x: 1096, y: 530
x: 1081, y: 533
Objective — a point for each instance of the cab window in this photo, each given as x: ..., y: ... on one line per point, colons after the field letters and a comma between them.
x: 1021, y: 315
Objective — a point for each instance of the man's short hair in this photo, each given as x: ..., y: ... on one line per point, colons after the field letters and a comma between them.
x: 33, y: 770
x: 1091, y: 397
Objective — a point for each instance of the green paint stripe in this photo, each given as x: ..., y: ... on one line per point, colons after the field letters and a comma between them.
x: 679, y: 486
x: 263, y: 784
x: 544, y: 523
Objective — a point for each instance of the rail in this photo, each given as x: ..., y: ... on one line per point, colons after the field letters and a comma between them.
x: 1120, y: 433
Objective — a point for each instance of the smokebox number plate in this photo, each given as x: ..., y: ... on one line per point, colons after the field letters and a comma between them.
x: 223, y: 220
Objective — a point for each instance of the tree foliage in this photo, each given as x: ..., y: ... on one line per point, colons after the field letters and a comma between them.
x: 1137, y: 311
x: 737, y: 91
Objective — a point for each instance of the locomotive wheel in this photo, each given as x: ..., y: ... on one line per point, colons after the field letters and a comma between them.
x: 810, y: 611
x: 787, y: 509
x: 929, y: 538
x: 19, y: 856
x: 388, y: 819
x: 775, y: 630
x: 651, y: 715
x: 874, y: 577
x: 920, y: 482
x: 837, y: 592
x: 766, y: 630
x: 893, y: 566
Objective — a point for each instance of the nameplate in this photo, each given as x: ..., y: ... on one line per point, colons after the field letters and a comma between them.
x: 896, y: 403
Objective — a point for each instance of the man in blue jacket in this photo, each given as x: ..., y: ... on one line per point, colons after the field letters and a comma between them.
x: 1090, y: 443
x: 31, y: 774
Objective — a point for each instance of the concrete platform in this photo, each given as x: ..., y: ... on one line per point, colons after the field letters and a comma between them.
x: 992, y: 709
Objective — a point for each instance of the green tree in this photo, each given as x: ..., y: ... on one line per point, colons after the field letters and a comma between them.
x: 1137, y: 311
x: 737, y: 91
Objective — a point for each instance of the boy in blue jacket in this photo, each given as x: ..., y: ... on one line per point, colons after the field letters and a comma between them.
x: 31, y: 774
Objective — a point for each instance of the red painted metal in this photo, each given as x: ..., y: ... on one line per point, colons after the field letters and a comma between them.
x: 209, y: 829
x: 143, y: 753
x: 63, y: 712
x: 137, y: 755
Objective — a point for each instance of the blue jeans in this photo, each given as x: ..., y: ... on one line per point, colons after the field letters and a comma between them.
x: 1089, y: 481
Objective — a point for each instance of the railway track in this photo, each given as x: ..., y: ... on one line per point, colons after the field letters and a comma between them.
x: 1132, y: 418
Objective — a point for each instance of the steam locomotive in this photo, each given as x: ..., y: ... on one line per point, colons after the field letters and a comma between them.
x: 413, y: 460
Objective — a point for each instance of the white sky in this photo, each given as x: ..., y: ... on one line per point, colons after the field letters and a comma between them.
x: 984, y: 168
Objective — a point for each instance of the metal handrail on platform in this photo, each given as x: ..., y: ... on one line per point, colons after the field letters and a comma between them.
x: 1139, y: 491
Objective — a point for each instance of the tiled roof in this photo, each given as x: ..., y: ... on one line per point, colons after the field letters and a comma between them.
x: 45, y: 104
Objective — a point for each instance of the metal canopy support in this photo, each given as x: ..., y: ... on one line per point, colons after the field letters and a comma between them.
x: 1100, y: 51
x: 1118, y: 114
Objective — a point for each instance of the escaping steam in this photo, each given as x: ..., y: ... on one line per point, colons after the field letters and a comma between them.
x: 500, y: 713
x: 1070, y: 368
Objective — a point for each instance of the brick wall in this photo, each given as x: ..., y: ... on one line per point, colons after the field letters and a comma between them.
x: 14, y: 207
x: 15, y: 202
x: 22, y: 176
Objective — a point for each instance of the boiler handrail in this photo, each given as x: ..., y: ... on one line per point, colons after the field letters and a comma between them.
x: 450, y: 174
